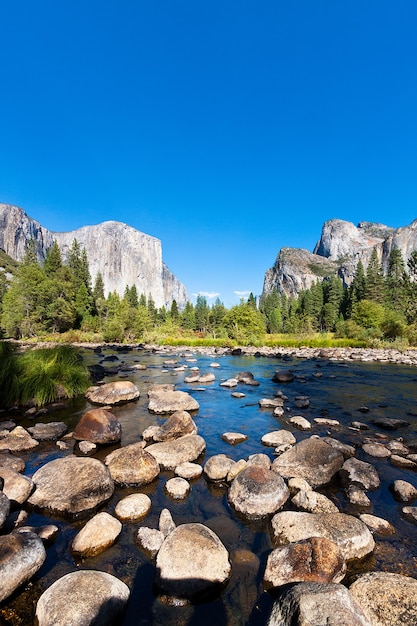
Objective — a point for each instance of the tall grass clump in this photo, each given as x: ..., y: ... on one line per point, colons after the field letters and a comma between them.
x: 9, y: 374
x: 51, y: 373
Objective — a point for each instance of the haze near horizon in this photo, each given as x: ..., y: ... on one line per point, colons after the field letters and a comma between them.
x: 227, y: 130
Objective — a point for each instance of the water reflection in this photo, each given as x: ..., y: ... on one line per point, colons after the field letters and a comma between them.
x: 338, y: 392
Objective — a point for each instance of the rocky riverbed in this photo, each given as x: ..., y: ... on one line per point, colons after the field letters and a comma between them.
x: 242, y: 487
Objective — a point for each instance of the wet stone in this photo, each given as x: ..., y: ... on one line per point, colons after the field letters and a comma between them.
x: 99, y: 533
x: 359, y: 473
x: 133, y: 507
x: 21, y: 556
x: 257, y: 492
x: 300, y: 422
x: 48, y: 432
x: 377, y: 524
x: 234, y: 438
x: 99, y: 426
x: 404, y: 491
x: 400, y: 461
x: 218, y: 466
x: 278, y: 438
x: 376, y: 449
x: 150, y: 540
x: 177, y: 488
x: 7, y: 459
x: 189, y: 471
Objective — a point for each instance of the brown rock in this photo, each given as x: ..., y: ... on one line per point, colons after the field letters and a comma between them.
x: 118, y: 392
x: 98, y: 426
x: 132, y: 465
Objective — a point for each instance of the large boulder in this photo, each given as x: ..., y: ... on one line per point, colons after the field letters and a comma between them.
x: 257, y: 492
x: 118, y: 392
x: 71, y: 485
x: 48, y: 432
x: 177, y: 425
x: 132, y: 465
x: 83, y: 598
x: 98, y: 426
x: 311, y: 459
x: 170, y: 454
x: 313, y: 560
x: 21, y: 555
x: 387, y: 599
x: 163, y: 402
x: 192, y: 563
x: 351, y: 535
x: 316, y: 604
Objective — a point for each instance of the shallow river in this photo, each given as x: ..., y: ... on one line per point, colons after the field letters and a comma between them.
x: 387, y: 390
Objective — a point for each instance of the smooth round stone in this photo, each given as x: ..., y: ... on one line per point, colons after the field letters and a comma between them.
x: 234, y: 438
x: 230, y: 383
x: 166, y: 523
x: 99, y: 533
x: 278, y: 411
x: 86, y: 447
x: 133, y: 507
x: 357, y: 496
x: 257, y: 492
x: 283, y: 376
x: 271, y: 403
x: 162, y: 402
x: 179, y: 576
x: 411, y: 513
x: 387, y: 599
x: 98, y: 426
x: 278, y: 438
x: 207, y: 378
x: 169, y: 454
x: 404, y: 491
x: 376, y: 449
x: 325, y: 421
x: 47, y: 533
x: 377, y: 524
x: 300, y: 422
x: 259, y: 459
x: 177, y: 488
x: 400, y: 461
x: 83, y: 598
x: 179, y: 424
x: 132, y: 465
x: 118, y: 392
x: 214, y: 364
x: 189, y: 471
x: 238, y: 394
x: 218, y: 466
x: 71, y: 485
x: 21, y: 556
x: 235, y: 470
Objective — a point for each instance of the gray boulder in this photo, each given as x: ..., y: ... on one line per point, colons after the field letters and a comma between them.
x: 317, y: 604
x: 311, y: 459
x: 162, y: 402
x: 177, y: 425
x: 83, y: 598
x: 257, y: 492
x: 386, y: 599
x: 71, y: 485
x: 179, y: 576
x: 48, y: 432
x: 132, y: 465
x: 21, y: 555
x: 351, y: 535
x: 170, y: 454
x: 356, y: 472
x: 118, y: 392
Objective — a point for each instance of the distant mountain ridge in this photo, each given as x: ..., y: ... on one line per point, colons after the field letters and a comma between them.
x: 123, y: 255
x: 341, y: 246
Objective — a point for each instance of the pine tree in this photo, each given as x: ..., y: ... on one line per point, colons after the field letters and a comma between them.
x: 53, y: 260
x: 375, y: 284
x: 397, y: 282
x: 98, y: 291
x: 174, y: 311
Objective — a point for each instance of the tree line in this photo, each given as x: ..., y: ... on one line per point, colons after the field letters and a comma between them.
x: 55, y: 297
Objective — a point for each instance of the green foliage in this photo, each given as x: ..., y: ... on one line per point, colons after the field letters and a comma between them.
x: 245, y: 324
x: 368, y: 314
x: 42, y: 375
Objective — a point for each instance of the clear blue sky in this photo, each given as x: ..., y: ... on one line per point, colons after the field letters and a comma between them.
x: 228, y: 129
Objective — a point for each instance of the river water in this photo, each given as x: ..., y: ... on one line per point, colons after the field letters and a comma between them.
x: 336, y: 390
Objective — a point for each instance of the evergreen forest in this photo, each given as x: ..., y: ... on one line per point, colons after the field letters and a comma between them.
x: 60, y: 301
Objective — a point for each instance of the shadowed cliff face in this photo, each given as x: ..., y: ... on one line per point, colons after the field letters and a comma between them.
x: 341, y: 246
x: 123, y: 255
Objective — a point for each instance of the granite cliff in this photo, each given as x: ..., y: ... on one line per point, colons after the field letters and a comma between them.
x: 341, y: 246
x: 123, y: 255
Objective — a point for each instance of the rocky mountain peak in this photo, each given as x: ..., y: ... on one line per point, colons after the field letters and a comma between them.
x: 340, y: 247
x: 123, y: 255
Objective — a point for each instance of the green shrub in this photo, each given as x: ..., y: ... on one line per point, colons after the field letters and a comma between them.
x: 9, y: 374
x: 50, y: 373
x: 113, y: 331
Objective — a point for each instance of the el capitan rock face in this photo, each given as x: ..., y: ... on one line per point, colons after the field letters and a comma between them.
x: 123, y: 255
x: 341, y: 246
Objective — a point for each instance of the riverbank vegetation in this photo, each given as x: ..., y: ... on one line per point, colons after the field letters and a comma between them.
x: 57, y: 301
x: 40, y: 376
